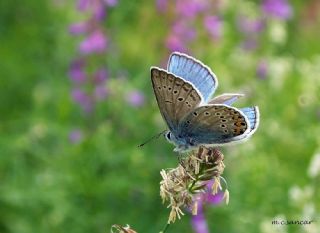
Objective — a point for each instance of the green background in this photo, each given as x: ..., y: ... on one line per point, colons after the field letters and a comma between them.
x: 48, y: 184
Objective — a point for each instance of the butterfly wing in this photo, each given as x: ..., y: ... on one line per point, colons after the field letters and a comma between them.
x: 194, y: 71
x: 175, y: 97
x: 227, y: 99
x: 253, y: 115
x: 214, y: 124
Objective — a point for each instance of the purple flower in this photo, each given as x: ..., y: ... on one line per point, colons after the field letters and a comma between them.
x: 83, y: 99
x: 100, y: 92
x: 100, y: 76
x: 94, y: 43
x: 76, y: 72
x: 209, y: 197
x: 214, y: 199
x: 262, y: 69
x: 183, y: 30
x: 250, y: 26
x: 75, y: 136
x: 277, y: 8
x: 174, y: 43
x: 78, y: 28
x: 199, y: 223
x: 190, y: 8
x: 214, y: 26
x: 99, y: 11
x: 83, y: 5
x: 79, y: 95
x: 111, y: 3
x: 180, y: 35
x: 135, y: 98
x: 249, y: 44
x: 162, y: 5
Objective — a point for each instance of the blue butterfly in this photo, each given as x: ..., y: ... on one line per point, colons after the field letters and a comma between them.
x: 183, y: 93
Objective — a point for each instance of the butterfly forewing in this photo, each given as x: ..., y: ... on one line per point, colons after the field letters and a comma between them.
x: 175, y: 97
x: 214, y: 124
x: 195, y: 72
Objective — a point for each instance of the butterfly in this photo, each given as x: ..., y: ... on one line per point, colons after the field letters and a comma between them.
x: 183, y: 94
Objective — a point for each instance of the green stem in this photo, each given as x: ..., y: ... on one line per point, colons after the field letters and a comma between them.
x: 196, y: 179
x: 165, y: 228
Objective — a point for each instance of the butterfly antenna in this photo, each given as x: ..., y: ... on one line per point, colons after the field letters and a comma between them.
x: 152, y: 138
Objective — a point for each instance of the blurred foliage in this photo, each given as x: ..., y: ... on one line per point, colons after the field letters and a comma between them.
x: 49, y: 184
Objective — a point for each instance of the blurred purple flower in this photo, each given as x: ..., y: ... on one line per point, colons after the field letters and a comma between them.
x: 277, y: 8
x: 100, y: 76
x: 135, y: 98
x: 214, y: 26
x: 78, y: 28
x: 249, y: 44
x: 174, y: 43
x: 262, y: 69
x: 111, y: 3
x: 183, y: 30
x: 99, y: 11
x: 180, y: 35
x: 76, y: 72
x: 83, y: 5
x: 250, y: 26
x: 75, y: 136
x: 162, y: 5
x: 100, y: 92
x: 190, y: 8
x: 94, y: 43
x: 80, y: 97
x: 214, y: 199
x: 199, y: 222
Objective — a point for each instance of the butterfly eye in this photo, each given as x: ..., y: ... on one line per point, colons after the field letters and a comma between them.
x: 168, y: 135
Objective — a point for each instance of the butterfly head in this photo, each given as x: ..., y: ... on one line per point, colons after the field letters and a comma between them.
x: 170, y: 137
x: 182, y: 143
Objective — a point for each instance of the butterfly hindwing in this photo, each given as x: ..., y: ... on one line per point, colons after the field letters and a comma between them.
x: 252, y: 114
x: 175, y: 97
x: 214, y: 124
x: 195, y: 72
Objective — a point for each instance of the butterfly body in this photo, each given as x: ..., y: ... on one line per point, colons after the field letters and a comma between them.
x: 183, y: 94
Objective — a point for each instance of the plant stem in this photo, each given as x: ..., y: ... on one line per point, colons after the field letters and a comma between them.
x: 165, y: 228
x: 196, y: 178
